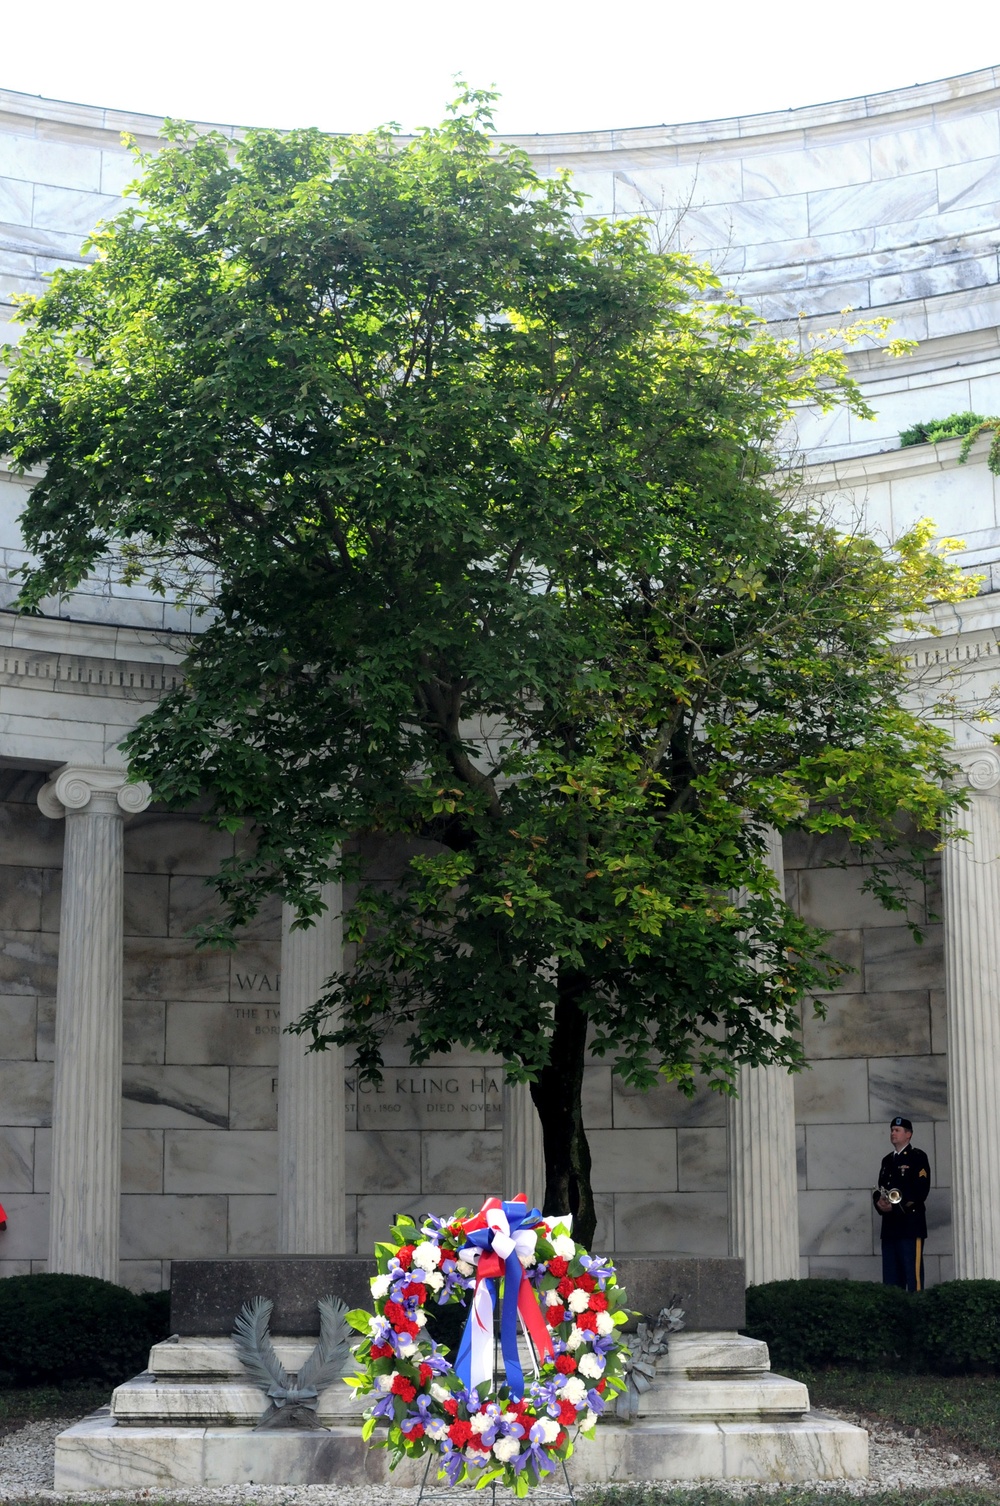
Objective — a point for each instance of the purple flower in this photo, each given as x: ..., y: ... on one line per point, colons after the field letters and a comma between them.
x: 421, y: 1415
x: 534, y: 1453
x: 452, y: 1461
x: 596, y: 1402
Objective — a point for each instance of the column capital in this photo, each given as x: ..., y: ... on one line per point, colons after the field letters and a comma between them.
x: 72, y: 787
x: 978, y: 767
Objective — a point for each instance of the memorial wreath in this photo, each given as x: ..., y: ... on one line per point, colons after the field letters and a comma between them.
x: 567, y: 1303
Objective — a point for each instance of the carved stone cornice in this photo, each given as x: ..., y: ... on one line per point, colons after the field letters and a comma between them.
x: 72, y: 787
x: 978, y: 768
x: 81, y: 674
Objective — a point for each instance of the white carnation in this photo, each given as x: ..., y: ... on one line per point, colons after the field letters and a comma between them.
x: 481, y: 1421
x: 406, y: 1345
x: 605, y: 1324
x: 375, y: 1324
x: 589, y: 1420
x: 437, y: 1429
x: 434, y: 1280
x: 552, y: 1298
x: 381, y: 1285
x: 573, y: 1389
x: 427, y: 1255
x: 564, y: 1246
x: 506, y: 1449
x: 550, y: 1429
x: 579, y: 1301
x: 384, y: 1382
x: 439, y: 1392
x: 420, y: 1317
x: 592, y: 1366
x: 575, y: 1338
x: 463, y: 1268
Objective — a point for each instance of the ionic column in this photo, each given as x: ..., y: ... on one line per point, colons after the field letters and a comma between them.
x: 971, y: 874
x: 760, y: 1133
x: 523, y: 1155
x: 312, y: 1148
x: 86, y: 1112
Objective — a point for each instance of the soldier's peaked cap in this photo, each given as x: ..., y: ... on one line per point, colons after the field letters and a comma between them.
x: 900, y: 1123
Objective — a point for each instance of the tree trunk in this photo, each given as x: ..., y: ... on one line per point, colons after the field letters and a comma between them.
x: 558, y: 1097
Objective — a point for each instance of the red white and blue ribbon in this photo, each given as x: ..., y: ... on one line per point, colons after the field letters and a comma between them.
x: 505, y: 1235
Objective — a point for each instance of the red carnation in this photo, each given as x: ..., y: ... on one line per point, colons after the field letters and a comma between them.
x: 587, y: 1283
x: 425, y: 1374
x: 555, y: 1315
x: 416, y: 1431
x: 600, y: 1386
x: 565, y: 1364
x: 395, y: 1314
x: 587, y: 1321
x: 408, y: 1328
x: 565, y: 1286
x: 558, y: 1266
x: 598, y: 1302
x: 414, y: 1289
x: 404, y: 1388
x: 381, y: 1351
x: 460, y: 1432
x: 451, y: 1406
x: 567, y: 1412
x: 560, y: 1440
x: 405, y: 1256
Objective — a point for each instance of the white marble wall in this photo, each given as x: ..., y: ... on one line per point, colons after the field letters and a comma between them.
x: 199, y: 1081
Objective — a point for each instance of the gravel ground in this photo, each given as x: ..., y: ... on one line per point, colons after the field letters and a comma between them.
x: 898, y: 1461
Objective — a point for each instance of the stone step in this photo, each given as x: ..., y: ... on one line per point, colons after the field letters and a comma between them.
x: 147, y: 1400
x: 217, y: 1357
x: 724, y: 1397
x: 717, y: 1353
x: 99, y: 1454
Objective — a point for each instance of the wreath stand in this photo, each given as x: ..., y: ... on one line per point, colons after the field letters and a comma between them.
x: 433, y: 1494
x: 437, y: 1495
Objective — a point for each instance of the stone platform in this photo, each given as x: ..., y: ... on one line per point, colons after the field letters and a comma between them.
x: 714, y: 1412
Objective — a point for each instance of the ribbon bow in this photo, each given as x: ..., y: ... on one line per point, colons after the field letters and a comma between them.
x: 503, y: 1235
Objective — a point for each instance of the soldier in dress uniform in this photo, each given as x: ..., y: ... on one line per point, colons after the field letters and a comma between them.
x: 904, y: 1180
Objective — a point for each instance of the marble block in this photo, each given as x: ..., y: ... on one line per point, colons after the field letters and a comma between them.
x: 98, y: 1454
x: 200, y: 1358
x: 692, y: 1353
x: 234, y: 1402
x: 740, y: 1396
x: 816, y: 1447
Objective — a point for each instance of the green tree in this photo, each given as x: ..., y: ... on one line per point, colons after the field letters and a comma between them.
x: 483, y: 501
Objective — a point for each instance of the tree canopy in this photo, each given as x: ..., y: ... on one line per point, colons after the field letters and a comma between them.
x: 484, y: 501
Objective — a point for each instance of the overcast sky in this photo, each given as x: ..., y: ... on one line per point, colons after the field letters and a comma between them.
x: 559, y: 66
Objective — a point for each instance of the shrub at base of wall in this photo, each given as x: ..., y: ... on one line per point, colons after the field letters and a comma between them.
x: 58, y: 1328
x: 952, y: 1328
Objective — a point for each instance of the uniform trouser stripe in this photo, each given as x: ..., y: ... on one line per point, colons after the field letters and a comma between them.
x: 918, y: 1268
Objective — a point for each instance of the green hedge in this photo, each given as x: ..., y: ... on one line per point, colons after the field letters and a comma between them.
x: 57, y: 1328
x: 954, y: 1327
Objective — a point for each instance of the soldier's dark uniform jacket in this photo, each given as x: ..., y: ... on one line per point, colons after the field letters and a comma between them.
x: 910, y: 1171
